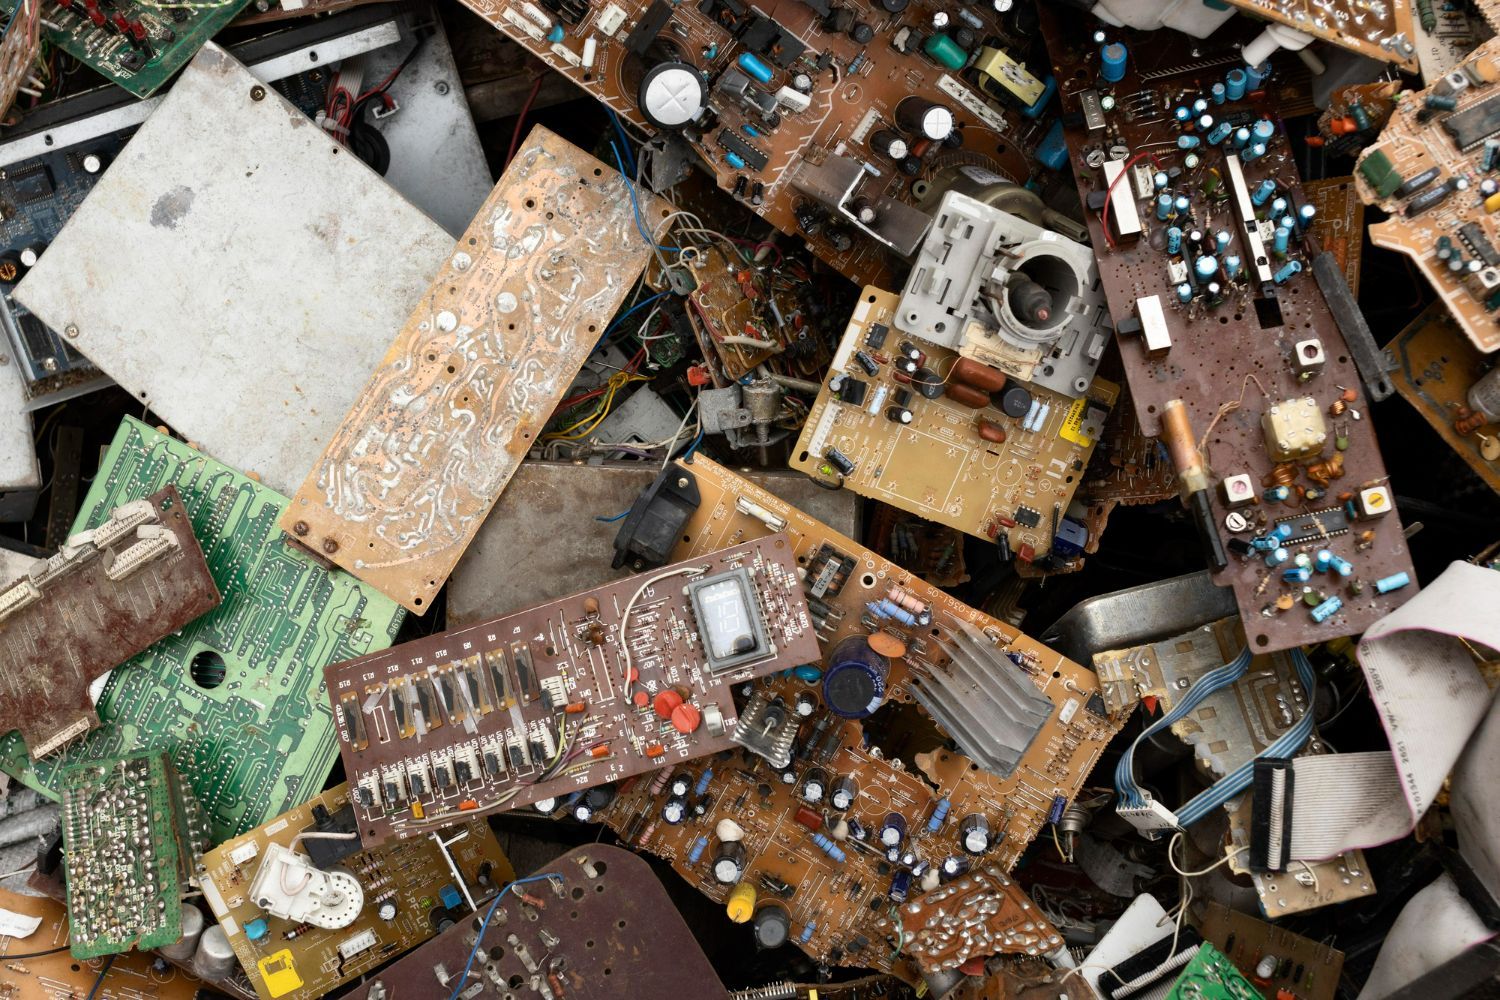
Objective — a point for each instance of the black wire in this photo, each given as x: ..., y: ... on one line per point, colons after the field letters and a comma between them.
x: 34, y: 954
x: 100, y: 981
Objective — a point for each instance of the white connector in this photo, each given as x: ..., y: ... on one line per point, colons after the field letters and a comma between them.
x: 1151, y: 820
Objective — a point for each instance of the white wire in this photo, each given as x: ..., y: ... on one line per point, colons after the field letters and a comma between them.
x: 630, y: 606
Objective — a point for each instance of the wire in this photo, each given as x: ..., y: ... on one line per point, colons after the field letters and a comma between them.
x: 484, y: 925
x: 630, y: 606
x: 515, y: 138
x: 640, y: 222
x: 1109, y: 193
x: 108, y: 962
x: 34, y: 954
x: 611, y: 520
x: 1177, y: 839
x: 626, y: 315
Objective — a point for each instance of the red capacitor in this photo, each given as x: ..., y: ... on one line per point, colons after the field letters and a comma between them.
x: 967, y: 395
x: 809, y: 818
x: 1026, y: 553
x: 666, y: 703
x: 980, y: 376
x: 991, y: 431
x: 641, y: 699
x: 686, y: 718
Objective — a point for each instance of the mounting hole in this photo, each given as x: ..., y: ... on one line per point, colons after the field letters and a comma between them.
x: 1262, y: 640
x: 577, y: 893
x: 516, y: 982
x: 867, y: 581
x: 417, y: 601
x: 496, y: 954
x: 589, y: 943
x: 207, y: 669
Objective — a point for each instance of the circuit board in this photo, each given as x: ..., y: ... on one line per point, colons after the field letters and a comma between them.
x: 788, y: 156
x: 1062, y: 751
x: 570, y: 694
x: 605, y: 928
x: 1425, y: 171
x: 103, y: 598
x: 846, y: 900
x: 409, y: 893
x: 131, y: 829
x: 1436, y: 365
x: 139, y: 46
x: 131, y: 976
x: 1380, y: 31
x: 1340, y: 223
x: 37, y: 197
x: 408, y: 477
x: 1249, y: 353
x: 236, y: 696
x: 1211, y: 976
x: 1304, y: 967
x: 976, y: 469
x: 1127, y: 467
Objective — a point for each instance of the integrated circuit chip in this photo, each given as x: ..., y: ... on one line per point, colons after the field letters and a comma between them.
x: 1315, y: 525
x: 1473, y: 125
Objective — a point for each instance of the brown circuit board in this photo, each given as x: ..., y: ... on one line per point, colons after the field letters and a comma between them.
x: 826, y: 866
x: 1127, y: 466
x: 1340, y: 223
x: 577, y: 692
x: 1304, y: 967
x: 1425, y: 171
x: 130, y: 976
x: 854, y: 86
x: 301, y: 961
x: 106, y: 595
x: 603, y: 927
x: 475, y: 373
x: 1234, y: 360
x: 1435, y: 366
x: 1058, y: 758
x: 940, y: 464
x: 1378, y: 30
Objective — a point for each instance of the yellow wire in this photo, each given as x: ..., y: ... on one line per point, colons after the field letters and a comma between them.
x: 582, y: 427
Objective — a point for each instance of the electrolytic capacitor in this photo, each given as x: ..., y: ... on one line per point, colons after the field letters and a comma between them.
x: 952, y: 867
x: 729, y: 862
x: 674, y: 810
x: 845, y: 791
x: 898, y: 414
x: 974, y: 833
x: 889, y: 144
x: 814, y: 784
x: 923, y: 118
x: 680, y: 784
x: 805, y: 704
x: 772, y: 925
x: 893, y: 830
x: 1181, y: 205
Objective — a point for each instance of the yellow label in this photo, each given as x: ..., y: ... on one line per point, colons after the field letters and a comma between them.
x: 279, y: 973
x: 1072, y: 426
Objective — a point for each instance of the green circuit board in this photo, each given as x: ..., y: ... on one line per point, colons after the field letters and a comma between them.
x: 174, y: 32
x: 237, y: 696
x: 1211, y: 976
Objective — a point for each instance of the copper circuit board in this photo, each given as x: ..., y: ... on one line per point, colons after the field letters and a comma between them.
x: 1381, y: 30
x: 297, y: 961
x: 1127, y: 467
x: 1304, y: 967
x: 605, y: 929
x: 842, y: 904
x: 475, y: 374
x: 1435, y: 365
x: 938, y: 466
x: 91, y: 607
x: 855, y: 93
x: 1340, y: 223
x: 1231, y: 363
x: 1448, y: 148
x: 535, y: 704
x: 1032, y: 788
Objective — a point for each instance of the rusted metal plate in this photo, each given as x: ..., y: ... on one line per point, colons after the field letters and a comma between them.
x: 605, y: 929
x: 472, y: 377
x: 108, y: 594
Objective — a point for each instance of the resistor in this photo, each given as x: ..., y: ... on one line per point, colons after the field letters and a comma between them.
x: 828, y: 847
x: 703, y: 780
x: 910, y: 602
x: 939, y: 813
x: 645, y: 836
x: 699, y: 846
x: 659, y: 782
x: 886, y: 608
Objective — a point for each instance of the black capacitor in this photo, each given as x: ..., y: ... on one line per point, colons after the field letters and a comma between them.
x: 866, y: 362
x: 1002, y: 545
x: 909, y: 167
x: 674, y: 810
x: 963, y: 37
x: 758, y: 193
x: 594, y: 801
x: 772, y: 925
x: 923, y: 118
x: 680, y: 784
x: 894, y: 6
x: 741, y: 185
x: 952, y: 867
x: 862, y: 33
x: 805, y: 704
x: 845, y: 791
x: 1015, y: 401
x: 729, y: 862
x: 839, y: 239
x: 954, y: 140
x: 898, y: 414
x: 802, y: 83
x: 864, y: 211
x: 839, y: 461
x: 814, y: 785
x: 927, y: 382
x: 839, y: 20
x: 974, y: 833
x: 889, y: 144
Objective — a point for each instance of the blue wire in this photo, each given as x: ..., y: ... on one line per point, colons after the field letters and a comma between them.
x: 609, y: 520
x: 694, y: 446
x: 636, y: 205
x: 484, y: 925
x: 624, y: 139
x: 626, y: 315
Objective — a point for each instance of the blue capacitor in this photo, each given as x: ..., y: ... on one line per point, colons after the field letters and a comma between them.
x: 807, y: 933
x: 703, y: 781
x: 1278, y: 208
x: 1288, y: 271
x: 1277, y: 556
x: 1327, y: 609
x: 939, y: 813
x: 1342, y: 566
x: 1395, y: 581
x: 1188, y: 141
x: 1052, y: 151
x: 1205, y: 267
x: 1221, y: 240
x: 828, y: 847
x: 1174, y: 239
x: 1262, y: 131
x: 1219, y: 133
x: 1159, y: 180
x: 1322, y: 560
x: 1262, y: 543
x: 854, y: 685
x: 1276, y: 494
x: 1183, y: 114
x: 1234, y: 85
x: 1241, y: 138
x: 1112, y: 60
x: 1232, y: 266
x: 952, y: 867
x: 808, y: 673
x: 900, y: 886
x: 1256, y: 75
x: 1297, y: 574
x: 1263, y: 192
x: 1200, y: 106
x: 1282, y: 531
x: 1254, y: 151
x: 1218, y: 92
x: 1184, y: 293
x: 1305, y: 216
x: 699, y: 846
x: 1059, y: 803
x: 750, y: 130
x: 751, y: 63
x: 1280, y: 242
x: 1163, y: 206
x: 1181, y: 205
x: 734, y: 160
x: 893, y: 830
x: 887, y: 608
x: 257, y: 929
x: 1205, y: 122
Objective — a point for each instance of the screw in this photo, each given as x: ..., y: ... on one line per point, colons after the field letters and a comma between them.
x: 330, y: 546
x: 441, y: 87
x: 71, y: 329
x: 682, y: 483
x: 300, y: 528
x: 257, y: 93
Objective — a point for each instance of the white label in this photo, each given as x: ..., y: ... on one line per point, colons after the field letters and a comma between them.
x: 979, y: 175
x: 18, y: 925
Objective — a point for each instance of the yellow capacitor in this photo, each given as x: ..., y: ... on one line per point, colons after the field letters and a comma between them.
x: 1492, y: 203
x: 741, y: 903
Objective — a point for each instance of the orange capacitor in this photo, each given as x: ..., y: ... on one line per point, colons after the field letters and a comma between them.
x: 991, y: 431
x: 967, y: 395
x: 686, y: 718
x: 980, y: 376
x: 666, y: 703
x: 809, y: 819
x: 602, y: 750
x: 467, y: 805
x: 575, y: 708
x: 655, y: 749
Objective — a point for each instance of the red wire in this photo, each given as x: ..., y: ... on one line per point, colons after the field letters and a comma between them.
x: 1109, y: 193
x: 515, y: 139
